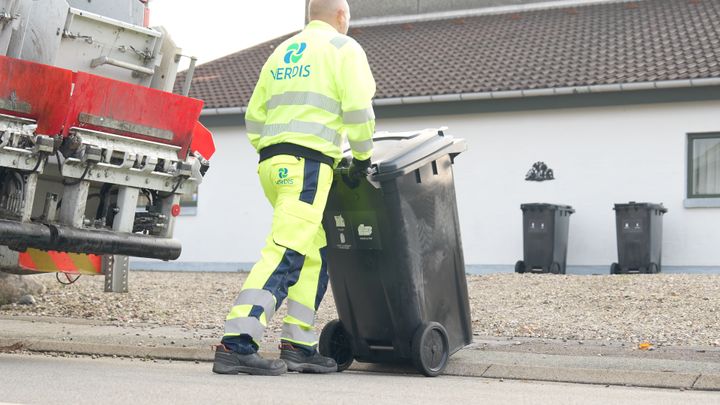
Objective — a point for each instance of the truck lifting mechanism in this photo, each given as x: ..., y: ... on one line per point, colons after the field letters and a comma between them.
x: 89, y: 126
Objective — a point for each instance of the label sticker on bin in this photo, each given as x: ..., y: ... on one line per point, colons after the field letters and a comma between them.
x: 339, y: 234
x: 353, y: 230
x: 537, y: 227
x: 632, y: 226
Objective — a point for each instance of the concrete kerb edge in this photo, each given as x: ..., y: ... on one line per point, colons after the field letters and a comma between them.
x: 635, y: 378
x: 89, y: 349
x: 707, y: 382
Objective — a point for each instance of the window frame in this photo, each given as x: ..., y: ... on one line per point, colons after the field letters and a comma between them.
x: 691, y: 138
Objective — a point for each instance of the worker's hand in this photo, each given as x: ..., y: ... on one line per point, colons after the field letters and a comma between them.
x: 357, y: 170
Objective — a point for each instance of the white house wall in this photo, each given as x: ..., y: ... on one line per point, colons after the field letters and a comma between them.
x: 600, y: 156
x: 233, y: 216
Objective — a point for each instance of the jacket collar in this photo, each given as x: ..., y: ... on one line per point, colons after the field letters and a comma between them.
x: 320, y: 25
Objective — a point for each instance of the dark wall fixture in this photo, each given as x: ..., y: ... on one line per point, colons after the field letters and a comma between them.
x: 540, y: 172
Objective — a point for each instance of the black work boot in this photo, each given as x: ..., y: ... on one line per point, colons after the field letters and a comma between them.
x: 303, y: 362
x: 230, y: 362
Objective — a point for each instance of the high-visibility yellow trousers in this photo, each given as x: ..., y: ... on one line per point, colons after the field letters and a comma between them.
x: 292, y: 263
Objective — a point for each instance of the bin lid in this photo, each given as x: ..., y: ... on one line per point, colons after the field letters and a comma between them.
x: 640, y: 205
x: 398, y: 153
x: 546, y: 206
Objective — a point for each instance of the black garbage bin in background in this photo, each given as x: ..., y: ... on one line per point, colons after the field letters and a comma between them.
x: 639, y: 238
x: 395, y: 257
x: 545, y: 238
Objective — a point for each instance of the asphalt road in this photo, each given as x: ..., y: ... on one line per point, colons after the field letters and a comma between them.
x: 42, y: 379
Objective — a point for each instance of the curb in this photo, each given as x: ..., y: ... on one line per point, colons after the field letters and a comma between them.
x: 649, y: 379
x: 96, y: 349
x: 457, y: 367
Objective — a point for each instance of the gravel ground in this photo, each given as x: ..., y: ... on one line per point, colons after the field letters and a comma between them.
x: 666, y: 310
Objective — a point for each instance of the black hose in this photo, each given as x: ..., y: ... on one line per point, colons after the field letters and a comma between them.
x: 19, y: 182
x: 177, y: 186
x: 149, y: 196
x: 69, y: 281
x: 60, y: 162
x: 80, y: 180
x: 37, y: 165
x: 104, y: 204
x: 44, y: 157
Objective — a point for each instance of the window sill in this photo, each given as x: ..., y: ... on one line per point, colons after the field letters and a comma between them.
x: 702, y: 203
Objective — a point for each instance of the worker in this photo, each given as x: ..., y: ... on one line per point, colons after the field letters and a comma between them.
x: 314, y: 91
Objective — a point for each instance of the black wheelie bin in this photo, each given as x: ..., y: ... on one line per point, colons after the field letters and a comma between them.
x: 545, y: 238
x: 395, y: 257
x: 639, y: 238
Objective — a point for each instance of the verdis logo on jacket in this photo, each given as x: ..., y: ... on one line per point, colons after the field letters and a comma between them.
x: 293, y: 54
x: 283, y: 174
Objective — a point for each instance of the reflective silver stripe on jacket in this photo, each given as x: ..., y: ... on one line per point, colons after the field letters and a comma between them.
x: 298, y: 334
x: 258, y: 297
x: 362, y: 146
x: 301, y: 312
x: 304, y: 127
x: 358, y: 116
x: 318, y: 100
x: 339, y: 41
x: 245, y: 326
x: 254, y: 127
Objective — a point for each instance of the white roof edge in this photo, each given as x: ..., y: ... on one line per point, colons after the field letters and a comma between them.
x: 446, y: 15
x: 510, y: 94
x: 223, y: 111
x: 559, y: 91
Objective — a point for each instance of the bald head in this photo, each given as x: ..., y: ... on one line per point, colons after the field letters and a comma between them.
x: 333, y: 12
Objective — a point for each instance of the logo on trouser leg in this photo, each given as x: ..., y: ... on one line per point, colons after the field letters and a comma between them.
x: 283, y: 174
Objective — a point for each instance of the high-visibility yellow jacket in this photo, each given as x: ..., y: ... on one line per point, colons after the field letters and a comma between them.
x: 315, y: 90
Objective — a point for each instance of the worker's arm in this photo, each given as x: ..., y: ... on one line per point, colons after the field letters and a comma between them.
x: 357, y: 88
x: 256, y: 113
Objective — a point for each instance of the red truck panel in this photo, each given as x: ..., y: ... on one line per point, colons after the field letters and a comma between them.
x: 45, y: 94
x: 202, y: 141
x: 36, y: 91
x: 112, y: 106
x: 50, y: 262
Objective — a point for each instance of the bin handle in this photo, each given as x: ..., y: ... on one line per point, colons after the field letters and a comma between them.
x: 350, y: 181
x: 458, y: 146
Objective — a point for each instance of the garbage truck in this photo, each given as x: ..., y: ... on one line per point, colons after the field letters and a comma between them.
x: 96, y: 151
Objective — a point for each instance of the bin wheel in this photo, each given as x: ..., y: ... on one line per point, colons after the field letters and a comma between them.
x: 430, y: 349
x: 520, y: 267
x: 335, y: 343
x: 555, y: 268
x: 614, y: 268
x: 653, y: 268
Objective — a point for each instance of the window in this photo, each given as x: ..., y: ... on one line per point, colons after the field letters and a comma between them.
x: 704, y: 165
